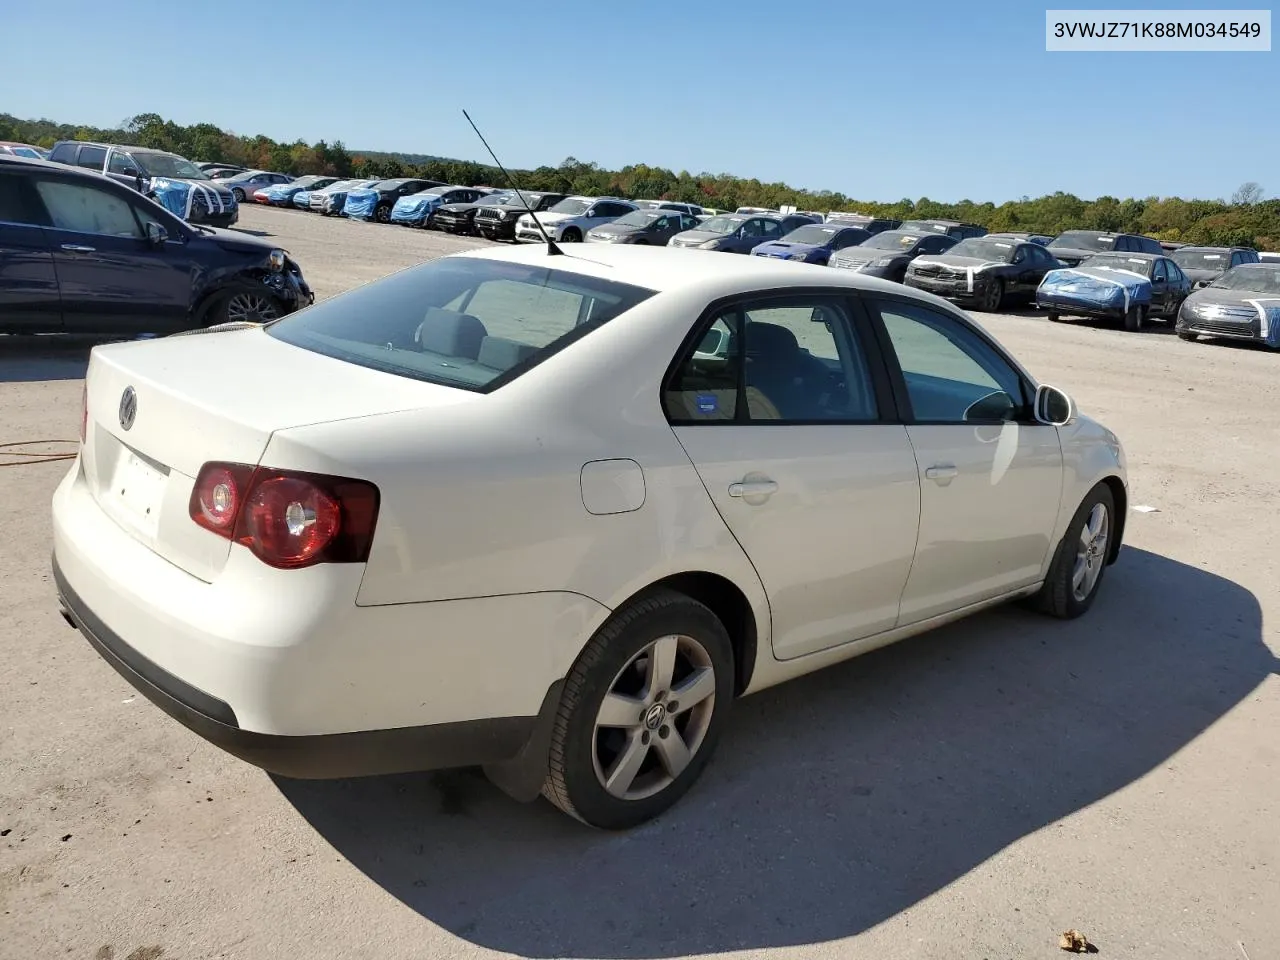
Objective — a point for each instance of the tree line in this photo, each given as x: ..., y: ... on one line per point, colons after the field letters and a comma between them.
x: 1246, y: 219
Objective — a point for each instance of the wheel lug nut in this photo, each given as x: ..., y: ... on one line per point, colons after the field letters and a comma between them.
x: 664, y: 731
x: 662, y: 695
x: 644, y: 738
x: 673, y: 706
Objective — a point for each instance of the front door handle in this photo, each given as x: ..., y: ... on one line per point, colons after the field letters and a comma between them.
x: 753, y: 488
x: 942, y: 473
x: 77, y: 248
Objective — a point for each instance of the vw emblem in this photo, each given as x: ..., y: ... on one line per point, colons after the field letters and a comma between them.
x: 654, y: 716
x: 128, y: 407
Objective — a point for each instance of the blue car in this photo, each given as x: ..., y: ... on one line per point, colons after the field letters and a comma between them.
x: 282, y: 195
x: 417, y: 209
x: 812, y: 243
x: 1116, y: 286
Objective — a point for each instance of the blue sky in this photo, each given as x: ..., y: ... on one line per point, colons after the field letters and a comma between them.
x: 879, y: 100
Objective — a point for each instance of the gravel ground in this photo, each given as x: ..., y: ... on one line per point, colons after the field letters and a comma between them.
x: 972, y: 793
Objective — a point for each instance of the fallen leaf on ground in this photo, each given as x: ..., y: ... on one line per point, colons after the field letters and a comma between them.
x: 1076, y: 942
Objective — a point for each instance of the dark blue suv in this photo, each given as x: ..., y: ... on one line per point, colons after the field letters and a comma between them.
x: 81, y: 253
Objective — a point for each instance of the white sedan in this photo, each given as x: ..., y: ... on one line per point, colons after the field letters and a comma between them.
x: 552, y: 515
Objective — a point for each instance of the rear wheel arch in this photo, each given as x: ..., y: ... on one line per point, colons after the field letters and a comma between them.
x: 726, y: 600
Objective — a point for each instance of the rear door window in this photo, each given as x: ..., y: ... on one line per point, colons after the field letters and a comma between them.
x: 92, y: 158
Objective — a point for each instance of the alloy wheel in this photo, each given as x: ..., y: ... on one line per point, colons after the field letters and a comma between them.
x: 654, y: 718
x: 251, y: 308
x: 1091, y: 552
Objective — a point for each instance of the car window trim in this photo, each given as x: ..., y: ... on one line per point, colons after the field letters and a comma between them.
x: 898, y: 381
x: 860, y: 328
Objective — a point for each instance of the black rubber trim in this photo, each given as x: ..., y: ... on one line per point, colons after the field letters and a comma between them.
x: 324, y: 756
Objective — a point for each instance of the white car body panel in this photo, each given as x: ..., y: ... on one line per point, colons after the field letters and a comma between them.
x: 488, y: 574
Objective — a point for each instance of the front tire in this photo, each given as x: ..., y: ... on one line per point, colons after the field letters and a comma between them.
x: 1080, y: 562
x: 382, y: 213
x: 1134, y: 317
x: 571, y: 235
x: 993, y: 296
x: 243, y: 304
x: 1189, y: 337
x: 641, y: 712
x: 238, y: 194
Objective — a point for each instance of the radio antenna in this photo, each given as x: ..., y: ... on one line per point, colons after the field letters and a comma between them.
x: 552, y: 249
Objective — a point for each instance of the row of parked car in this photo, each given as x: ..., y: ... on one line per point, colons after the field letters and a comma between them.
x: 1213, y: 291
x: 1129, y: 278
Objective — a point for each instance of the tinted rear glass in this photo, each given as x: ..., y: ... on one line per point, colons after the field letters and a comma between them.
x: 459, y: 321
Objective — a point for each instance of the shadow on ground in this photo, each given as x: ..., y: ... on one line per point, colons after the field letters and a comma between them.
x: 838, y: 800
x: 27, y: 359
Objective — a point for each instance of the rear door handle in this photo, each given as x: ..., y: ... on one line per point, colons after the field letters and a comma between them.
x: 77, y: 248
x: 943, y: 473
x: 753, y: 488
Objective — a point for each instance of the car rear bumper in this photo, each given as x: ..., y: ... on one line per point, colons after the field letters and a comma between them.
x: 284, y: 670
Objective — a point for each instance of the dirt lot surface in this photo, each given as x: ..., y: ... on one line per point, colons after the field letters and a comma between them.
x: 972, y: 793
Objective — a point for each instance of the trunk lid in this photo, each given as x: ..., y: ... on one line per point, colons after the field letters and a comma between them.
x: 216, y: 396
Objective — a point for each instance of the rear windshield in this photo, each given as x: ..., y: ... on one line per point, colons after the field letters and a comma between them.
x: 462, y: 322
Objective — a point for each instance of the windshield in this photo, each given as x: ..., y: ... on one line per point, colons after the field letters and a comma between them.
x: 29, y: 152
x: 721, y: 225
x: 307, y: 181
x: 386, y: 185
x: 892, y: 240
x: 1254, y: 277
x: 1190, y: 258
x: 464, y: 322
x: 571, y: 206
x: 1118, y: 261
x: 1083, y: 240
x: 639, y: 218
x: 341, y: 185
x: 811, y: 234
x: 493, y: 199
x: 165, y: 165
x: 984, y: 249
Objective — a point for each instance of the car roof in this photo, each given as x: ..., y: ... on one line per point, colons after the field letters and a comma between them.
x: 666, y: 269
x: 52, y: 165
x: 1189, y: 247
x: 1133, y: 255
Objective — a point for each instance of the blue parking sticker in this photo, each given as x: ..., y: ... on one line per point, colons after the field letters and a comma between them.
x: 707, y: 403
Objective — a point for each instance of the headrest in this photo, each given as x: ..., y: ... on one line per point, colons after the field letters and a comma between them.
x: 450, y: 333
x: 769, y: 338
x: 503, y: 354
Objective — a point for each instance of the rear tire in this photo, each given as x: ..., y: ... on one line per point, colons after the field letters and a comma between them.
x: 1080, y: 562
x: 624, y: 748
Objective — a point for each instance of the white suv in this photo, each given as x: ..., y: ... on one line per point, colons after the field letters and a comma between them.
x: 570, y: 219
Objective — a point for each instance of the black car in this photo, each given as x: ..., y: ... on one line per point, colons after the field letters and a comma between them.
x: 377, y: 202
x: 1206, y: 264
x: 174, y: 181
x: 1075, y: 246
x: 498, y: 222
x: 460, y: 218
x: 872, y: 225
x: 955, y: 229
x: 886, y: 255
x: 80, y: 253
x: 983, y: 271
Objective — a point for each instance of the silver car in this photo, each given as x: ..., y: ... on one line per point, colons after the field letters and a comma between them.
x: 246, y: 184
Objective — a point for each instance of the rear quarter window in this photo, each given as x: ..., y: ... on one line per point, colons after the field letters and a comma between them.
x: 465, y: 322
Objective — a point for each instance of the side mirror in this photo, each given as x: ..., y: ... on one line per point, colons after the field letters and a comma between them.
x: 1053, y: 407
x: 156, y: 234
x: 130, y: 171
x: 1201, y: 284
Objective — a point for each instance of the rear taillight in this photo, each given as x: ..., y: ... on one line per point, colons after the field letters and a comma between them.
x: 84, y: 411
x: 286, y: 517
